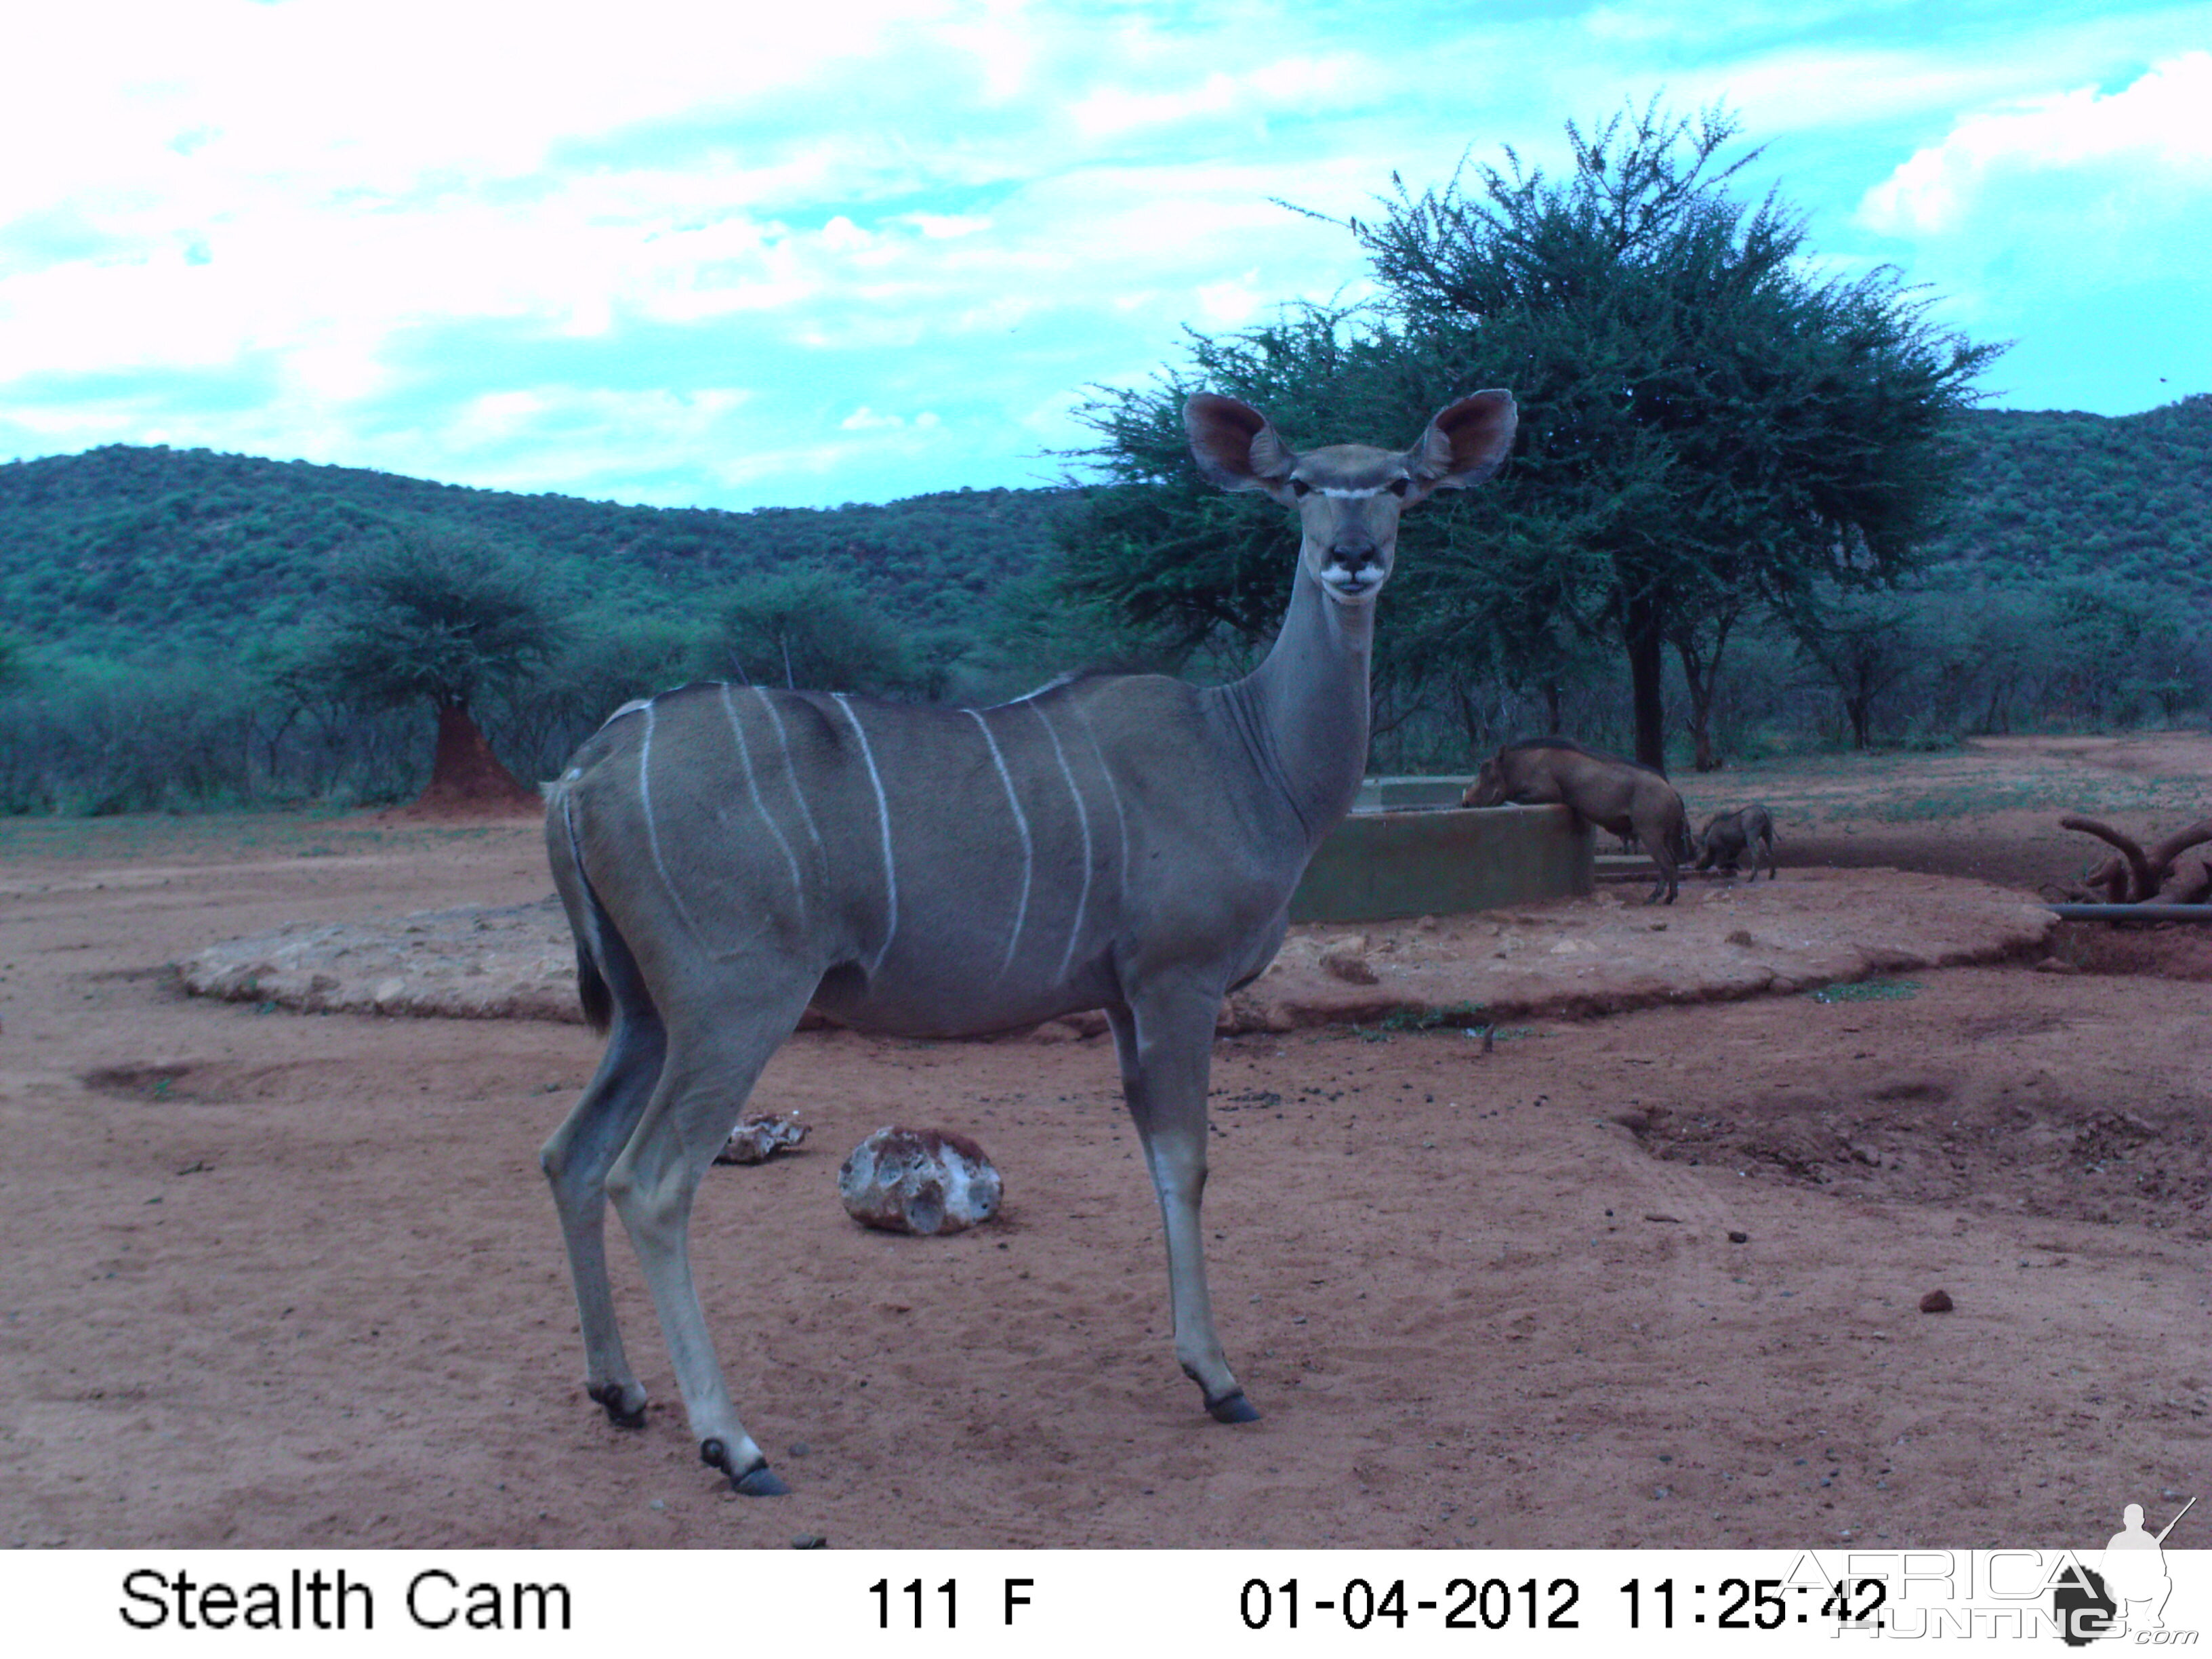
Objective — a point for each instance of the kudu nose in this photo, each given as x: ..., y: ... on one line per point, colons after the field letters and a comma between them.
x: 1351, y: 551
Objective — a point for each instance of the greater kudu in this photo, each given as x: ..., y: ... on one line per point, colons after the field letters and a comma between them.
x: 729, y: 855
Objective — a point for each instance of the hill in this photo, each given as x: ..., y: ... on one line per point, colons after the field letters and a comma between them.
x: 2052, y: 495
x: 122, y: 549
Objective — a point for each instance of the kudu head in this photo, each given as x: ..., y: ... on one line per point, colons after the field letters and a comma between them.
x: 1348, y: 496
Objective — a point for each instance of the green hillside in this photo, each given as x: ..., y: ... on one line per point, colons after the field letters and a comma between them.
x: 151, y: 600
x: 122, y: 549
x: 2052, y: 495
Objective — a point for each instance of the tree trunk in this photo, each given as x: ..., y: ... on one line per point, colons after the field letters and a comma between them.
x: 1646, y: 662
x: 1859, y: 710
x: 1463, y: 700
x: 466, y: 778
x: 1702, y: 674
x: 1701, y: 734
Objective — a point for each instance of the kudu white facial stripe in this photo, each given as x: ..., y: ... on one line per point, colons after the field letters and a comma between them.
x: 1022, y: 823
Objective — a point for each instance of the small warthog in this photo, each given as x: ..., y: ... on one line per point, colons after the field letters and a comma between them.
x: 1726, y: 835
x: 1611, y: 793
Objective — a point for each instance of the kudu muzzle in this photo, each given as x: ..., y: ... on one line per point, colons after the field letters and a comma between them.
x: 1354, y: 550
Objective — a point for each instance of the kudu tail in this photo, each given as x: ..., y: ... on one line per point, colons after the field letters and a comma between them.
x: 591, y: 991
x: 603, y: 960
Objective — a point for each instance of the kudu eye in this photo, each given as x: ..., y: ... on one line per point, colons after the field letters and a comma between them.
x: 1299, y: 487
x: 1399, y: 486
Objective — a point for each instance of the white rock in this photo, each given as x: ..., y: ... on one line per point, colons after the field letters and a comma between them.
x: 919, y: 1180
x: 757, y: 1139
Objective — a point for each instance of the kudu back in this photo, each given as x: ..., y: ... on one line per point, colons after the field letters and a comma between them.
x: 729, y: 855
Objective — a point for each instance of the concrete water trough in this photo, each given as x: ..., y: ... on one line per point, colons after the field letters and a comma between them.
x: 1410, y: 849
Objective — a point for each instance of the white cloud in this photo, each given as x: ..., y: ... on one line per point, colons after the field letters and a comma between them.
x: 1301, y: 85
x: 457, y: 239
x: 865, y: 419
x: 2076, y: 189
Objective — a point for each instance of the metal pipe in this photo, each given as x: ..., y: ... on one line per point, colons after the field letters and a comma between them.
x: 2131, y: 912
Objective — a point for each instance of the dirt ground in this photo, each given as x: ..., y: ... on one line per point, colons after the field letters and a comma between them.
x: 1646, y: 1277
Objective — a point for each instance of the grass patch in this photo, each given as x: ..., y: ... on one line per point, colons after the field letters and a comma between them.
x: 1469, y: 1017
x: 1868, y: 990
x: 1461, y: 1014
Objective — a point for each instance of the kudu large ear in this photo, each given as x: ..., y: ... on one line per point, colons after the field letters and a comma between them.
x: 1234, y: 445
x: 1466, y: 442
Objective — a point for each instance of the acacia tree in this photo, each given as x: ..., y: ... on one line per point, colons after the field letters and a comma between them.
x: 808, y: 628
x: 1704, y: 424
x: 1865, y: 649
x: 438, y: 618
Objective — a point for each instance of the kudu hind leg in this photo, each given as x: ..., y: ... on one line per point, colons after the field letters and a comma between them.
x: 711, y: 1067
x: 1166, y: 1052
x: 576, y: 1160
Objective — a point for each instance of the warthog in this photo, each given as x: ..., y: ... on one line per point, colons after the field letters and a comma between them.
x: 1611, y: 793
x: 1726, y: 835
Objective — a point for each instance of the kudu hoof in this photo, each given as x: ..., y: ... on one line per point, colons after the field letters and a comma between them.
x: 609, y: 1396
x: 757, y: 1481
x: 1233, y: 1408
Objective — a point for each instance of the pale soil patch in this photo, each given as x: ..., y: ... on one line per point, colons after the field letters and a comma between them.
x: 1603, y: 954
x: 277, y: 1280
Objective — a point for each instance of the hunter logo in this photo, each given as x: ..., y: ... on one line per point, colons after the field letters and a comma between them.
x: 2128, y: 1597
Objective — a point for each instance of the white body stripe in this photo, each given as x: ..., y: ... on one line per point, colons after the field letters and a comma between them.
x: 883, y: 819
x: 1052, y: 684
x: 589, y: 917
x: 645, y: 803
x: 745, y: 756
x: 783, y: 742
x: 1022, y: 823
x: 1083, y: 820
x: 1114, y: 795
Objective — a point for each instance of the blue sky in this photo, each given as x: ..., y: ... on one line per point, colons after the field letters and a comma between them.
x: 740, y: 256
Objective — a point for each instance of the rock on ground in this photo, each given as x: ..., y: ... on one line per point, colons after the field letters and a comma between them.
x: 919, y: 1180
x: 757, y: 1139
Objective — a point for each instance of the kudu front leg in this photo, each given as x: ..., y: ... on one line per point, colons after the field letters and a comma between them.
x: 1166, y: 1047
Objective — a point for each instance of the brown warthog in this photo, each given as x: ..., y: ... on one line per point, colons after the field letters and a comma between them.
x: 1611, y: 793
x: 1726, y: 835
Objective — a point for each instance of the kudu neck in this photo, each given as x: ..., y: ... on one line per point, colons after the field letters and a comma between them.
x: 1305, y: 706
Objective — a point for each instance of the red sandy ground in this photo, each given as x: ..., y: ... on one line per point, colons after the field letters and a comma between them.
x: 284, y: 1279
